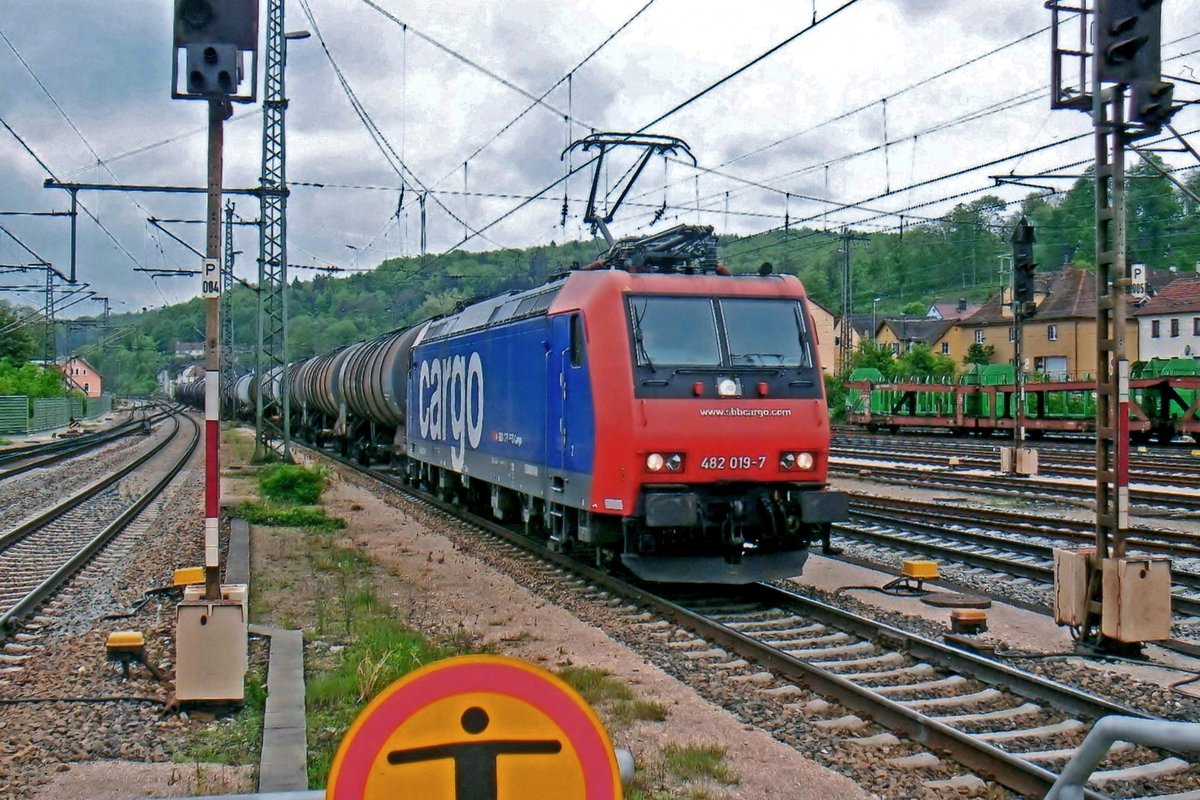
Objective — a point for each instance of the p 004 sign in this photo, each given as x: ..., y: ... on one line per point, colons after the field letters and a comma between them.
x: 210, y: 285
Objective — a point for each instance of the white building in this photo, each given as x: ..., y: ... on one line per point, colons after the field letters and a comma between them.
x: 1169, y: 322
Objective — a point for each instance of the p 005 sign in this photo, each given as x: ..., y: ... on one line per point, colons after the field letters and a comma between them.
x: 210, y: 285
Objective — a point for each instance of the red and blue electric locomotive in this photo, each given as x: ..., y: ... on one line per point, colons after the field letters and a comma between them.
x: 650, y: 409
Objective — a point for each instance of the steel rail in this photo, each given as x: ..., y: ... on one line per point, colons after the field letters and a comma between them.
x: 35, y: 598
x: 1187, y: 606
x: 25, y: 529
x: 70, y: 448
x: 1140, y: 537
x: 988, y: 760
x: 10, y: 454
x: 1006, y: 485
x: 1149, y: 476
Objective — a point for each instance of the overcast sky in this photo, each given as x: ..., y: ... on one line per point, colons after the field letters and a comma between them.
x: 107, y: 66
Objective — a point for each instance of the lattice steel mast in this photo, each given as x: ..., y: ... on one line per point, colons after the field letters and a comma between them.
x: 228, y: 375
x: 273, y: 414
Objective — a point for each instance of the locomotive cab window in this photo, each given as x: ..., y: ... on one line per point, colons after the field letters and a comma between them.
x: 577, y: 340
x: 676, y: 339
x: 675, y: 331
x: 764, y: 333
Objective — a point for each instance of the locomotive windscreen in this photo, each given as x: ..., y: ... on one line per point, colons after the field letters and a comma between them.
x: 673, y: 337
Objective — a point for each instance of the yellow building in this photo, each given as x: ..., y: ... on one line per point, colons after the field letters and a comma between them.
x: 826, y: 333
x: 1059, y: 337
x: 899, y: 335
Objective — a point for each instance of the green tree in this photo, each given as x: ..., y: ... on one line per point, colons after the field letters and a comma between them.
x: 921, y: 361
x: 872, y: 356
x: 17, y: 344
x: 30, y: 380
x: 979, y: 354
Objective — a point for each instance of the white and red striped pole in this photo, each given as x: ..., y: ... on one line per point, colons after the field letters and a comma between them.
x: 1121, y: 457
x: 218, y: 112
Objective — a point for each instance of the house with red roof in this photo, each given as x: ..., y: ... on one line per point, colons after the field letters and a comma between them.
x: 1169, y: 322
x: 1059, y: 337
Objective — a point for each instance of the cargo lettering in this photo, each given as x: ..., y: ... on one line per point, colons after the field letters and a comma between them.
x: 450, y: 403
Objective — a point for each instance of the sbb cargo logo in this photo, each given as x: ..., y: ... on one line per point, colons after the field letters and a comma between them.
x: 450, y: 403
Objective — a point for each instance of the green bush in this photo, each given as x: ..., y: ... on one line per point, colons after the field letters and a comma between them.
x: 288, y: 483
x: 288, y: 517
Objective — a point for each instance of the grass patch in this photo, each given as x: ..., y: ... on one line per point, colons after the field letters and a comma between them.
x: 596, y: 686
x: 695, y: 762
x: 239, y: 446
x: 291, y: 484
x: 382, y: 651
x: 611, y: 697
x: 626, y: 712
x: 288, y: 517
x: 234, y: 739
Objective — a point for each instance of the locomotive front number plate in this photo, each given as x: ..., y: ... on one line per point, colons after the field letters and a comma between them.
x: 733, y: 462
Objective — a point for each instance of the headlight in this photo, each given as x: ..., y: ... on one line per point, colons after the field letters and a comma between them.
x: 727, y: 387
x: 668, y: 462
x: 796, y: 461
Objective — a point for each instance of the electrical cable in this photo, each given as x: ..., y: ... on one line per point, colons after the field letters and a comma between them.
x: 85, y: 209
x: 678, y: 107
x: 565, y: 78
x: 54, y: 101
x: 385, y: 147
x: 748, y: 65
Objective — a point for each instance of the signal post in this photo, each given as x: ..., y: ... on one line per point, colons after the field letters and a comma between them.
x: 213, y: 39
x: 1112, y: 601
x: 1019, y: 459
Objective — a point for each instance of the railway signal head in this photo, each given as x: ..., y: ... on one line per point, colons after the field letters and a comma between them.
x: 1023, y: 283
x: 1128, y: 40
x: 212, y: 36
x: 1023, y: 266
x: 1022, y: 242
x: 1152, y: 102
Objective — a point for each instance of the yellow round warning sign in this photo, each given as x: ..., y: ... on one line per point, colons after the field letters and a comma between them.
x: 476, y: 728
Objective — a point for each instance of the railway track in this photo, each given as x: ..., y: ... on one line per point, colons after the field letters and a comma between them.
x: 1179, y: 479
x: 1156, y: 466
x: 938, y: 477
x: 42, y: 554
x: 998, y: 722
x: 949, y: 542
x: 19, y: 461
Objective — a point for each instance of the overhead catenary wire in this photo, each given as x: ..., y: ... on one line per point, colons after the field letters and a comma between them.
x: 567, y: 78
x: 675, y: 109
x: 28, y: 149
x: 70, y: 122
x: 748, y: 65
x: 385, y: 147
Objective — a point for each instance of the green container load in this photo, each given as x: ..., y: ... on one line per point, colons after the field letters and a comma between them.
x: 866, y: 374
x: 854, y: 400
x: 997, y: 375
x: 880, y: 395
x: 1181, y: 368
x: 14, y: 414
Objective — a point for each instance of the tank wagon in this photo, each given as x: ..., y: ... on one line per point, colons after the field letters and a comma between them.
x: 650, y: 411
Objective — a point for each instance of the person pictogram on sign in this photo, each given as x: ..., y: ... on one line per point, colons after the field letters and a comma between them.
x: 475, y: 762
